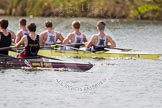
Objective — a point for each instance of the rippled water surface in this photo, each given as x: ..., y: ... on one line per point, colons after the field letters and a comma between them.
x: 109, y: 84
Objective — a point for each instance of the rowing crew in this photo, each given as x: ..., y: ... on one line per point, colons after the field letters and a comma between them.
x: 32, y: 42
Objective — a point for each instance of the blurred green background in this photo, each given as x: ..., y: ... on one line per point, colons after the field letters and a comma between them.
x: 123, y: 9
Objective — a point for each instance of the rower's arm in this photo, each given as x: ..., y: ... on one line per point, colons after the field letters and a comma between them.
x: 18, y: 37
x: 60, y: 37
x: 84, y: 39
x: 91, y: 42
x: 13, y: 36
x: 111, y: 41
x: 67, y: 39
x: 41, y: 39
x: 22, y: 41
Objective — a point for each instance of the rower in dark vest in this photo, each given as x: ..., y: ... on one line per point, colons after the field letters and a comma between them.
x: 31, y: 42
x: 5, y: 36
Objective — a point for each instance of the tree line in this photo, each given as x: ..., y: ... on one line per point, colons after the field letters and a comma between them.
x: 130, y: 9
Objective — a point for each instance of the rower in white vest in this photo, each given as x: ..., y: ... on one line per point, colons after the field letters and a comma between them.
x: 101, y: 40
x: 49, y: 36
x: 76, y: 37
x: 23, y: 30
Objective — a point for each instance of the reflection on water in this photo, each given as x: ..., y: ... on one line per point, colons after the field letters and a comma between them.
x: 110, y: 83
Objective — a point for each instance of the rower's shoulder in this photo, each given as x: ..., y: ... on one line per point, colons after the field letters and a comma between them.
x: 70, y: 34
x: 24, y: 38
x: 43, y: 33
x: 19, y: 32
x: 94, y: 36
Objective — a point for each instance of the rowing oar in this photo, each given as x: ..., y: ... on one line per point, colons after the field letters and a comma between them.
x: 73, y: 44
x: 62, y: 45
x: 49, y: 57
x: 7, y: 48
x: 122, y: 49
x: 81, y: 44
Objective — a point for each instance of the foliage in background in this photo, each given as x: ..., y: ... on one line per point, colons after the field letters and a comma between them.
x: 134, y: 9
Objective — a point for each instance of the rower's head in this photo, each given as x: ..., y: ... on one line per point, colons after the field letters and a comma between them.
x: 31, y: 27
x: 3, y: 24
x: 76, y: 24
x: 22, y: 22
x: 101, y: 25
x: 48, y: 24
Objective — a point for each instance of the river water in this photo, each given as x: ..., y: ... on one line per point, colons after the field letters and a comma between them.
x: 109, y: 84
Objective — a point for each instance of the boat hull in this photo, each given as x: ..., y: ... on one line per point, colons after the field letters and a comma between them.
x: 15, y: 63
x: 100, y: 54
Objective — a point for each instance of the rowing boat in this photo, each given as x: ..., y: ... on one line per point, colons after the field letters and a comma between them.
x: 41, y: 62
x: 111, y: 53
x: 99, y: 54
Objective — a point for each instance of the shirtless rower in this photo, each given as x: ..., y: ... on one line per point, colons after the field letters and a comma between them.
x: 101, y: 40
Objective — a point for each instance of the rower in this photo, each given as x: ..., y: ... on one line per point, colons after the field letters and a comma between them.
x: 6, y: 38
x: 101, y: 40
x: 23, y: 30
x: 30, y: 41
x: 49, y: 36
x: 76, y: 37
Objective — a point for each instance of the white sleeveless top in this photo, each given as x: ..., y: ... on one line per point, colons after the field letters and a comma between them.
x: 51, y: 38
x: 78, y: 38
x: 101, y: 41
x: 24, y: 32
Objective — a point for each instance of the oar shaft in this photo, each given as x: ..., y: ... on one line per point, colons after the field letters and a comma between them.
x: 122, y: 49
x: 7, y: 48
x: 49, y: 57
x: 62, y: 45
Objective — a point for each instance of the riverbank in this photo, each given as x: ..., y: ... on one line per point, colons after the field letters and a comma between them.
x: 115, y: 9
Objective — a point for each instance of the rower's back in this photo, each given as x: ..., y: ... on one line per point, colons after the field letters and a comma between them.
x: 5, y: 36
x: 31, y: 42
x: 23, y: 30
x: 76, y: 37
